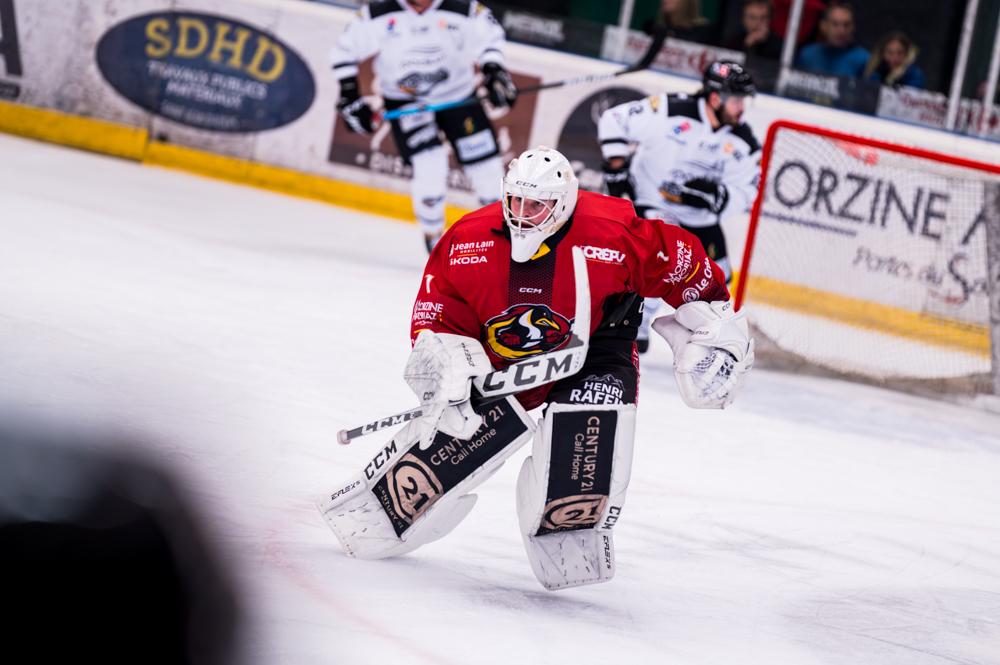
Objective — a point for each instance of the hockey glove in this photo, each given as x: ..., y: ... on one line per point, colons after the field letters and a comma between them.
x: 440, y: 371
x: 354, y: 109
x: 698, y: 193
x: 713, y: 351
x: 618, y: 180
x: 500, y: 88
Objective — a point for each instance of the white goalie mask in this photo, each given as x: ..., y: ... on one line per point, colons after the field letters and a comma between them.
x: 539, y: 195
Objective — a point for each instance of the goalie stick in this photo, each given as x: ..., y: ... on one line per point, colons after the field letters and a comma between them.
x: 525, y: 375
x: 644, y: 63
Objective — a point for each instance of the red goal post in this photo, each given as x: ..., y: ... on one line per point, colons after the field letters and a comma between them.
x: 875, y: 260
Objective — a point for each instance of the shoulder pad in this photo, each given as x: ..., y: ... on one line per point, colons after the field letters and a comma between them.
x: 600, y: 205
x: 744, y: 132
x: 683, y: 105
x: 463, y: 7
x: 383, y: 7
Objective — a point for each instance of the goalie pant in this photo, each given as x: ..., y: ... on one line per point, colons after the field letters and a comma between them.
x: 570, y: 491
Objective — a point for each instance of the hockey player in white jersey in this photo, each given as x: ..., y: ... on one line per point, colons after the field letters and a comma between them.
x: 427, y: 52
x: 685, y: 160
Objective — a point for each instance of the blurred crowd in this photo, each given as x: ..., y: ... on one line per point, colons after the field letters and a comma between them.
x: 826, y: 43
x: 894, y: 43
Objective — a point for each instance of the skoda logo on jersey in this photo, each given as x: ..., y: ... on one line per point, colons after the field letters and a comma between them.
x: 526, y: 330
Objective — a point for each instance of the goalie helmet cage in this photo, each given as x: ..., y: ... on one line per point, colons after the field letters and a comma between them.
x: 874, y: 261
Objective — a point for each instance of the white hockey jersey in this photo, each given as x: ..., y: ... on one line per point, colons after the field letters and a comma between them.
x: 674, y: 142
x: 428, y: 57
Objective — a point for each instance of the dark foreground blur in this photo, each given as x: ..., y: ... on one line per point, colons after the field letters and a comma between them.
x: 103, y: 559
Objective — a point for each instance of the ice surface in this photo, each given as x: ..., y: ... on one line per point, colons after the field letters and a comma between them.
x: 815, y: 522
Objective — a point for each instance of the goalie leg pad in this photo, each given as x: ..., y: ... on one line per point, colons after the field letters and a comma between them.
x: 408, y: 496
x: 571, y: 490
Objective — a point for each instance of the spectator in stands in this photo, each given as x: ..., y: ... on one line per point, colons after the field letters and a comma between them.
x: 892, y: 62
x: 680, y: 19
x: 755, y: 37
x: 837, y: 54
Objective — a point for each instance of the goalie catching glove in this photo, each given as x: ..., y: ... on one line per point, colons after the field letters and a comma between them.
x: 713, y: 351
x: 440, y: 371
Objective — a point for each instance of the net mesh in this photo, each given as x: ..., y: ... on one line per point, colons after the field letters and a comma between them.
x: 872, y: 262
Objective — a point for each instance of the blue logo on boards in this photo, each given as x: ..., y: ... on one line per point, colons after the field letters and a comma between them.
x: 205, y: 71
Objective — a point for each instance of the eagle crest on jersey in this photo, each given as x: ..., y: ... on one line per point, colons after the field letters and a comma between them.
x: 526, y: 330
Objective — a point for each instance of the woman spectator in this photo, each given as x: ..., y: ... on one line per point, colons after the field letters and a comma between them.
x: 892, y: 62
x: 680, y: 19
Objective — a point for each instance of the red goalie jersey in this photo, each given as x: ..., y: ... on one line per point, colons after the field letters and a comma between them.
x: 472, y: 287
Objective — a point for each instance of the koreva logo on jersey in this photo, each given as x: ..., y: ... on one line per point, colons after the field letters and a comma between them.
x: 421, y: 83
x: 526, y: 330
x: 205, y: 71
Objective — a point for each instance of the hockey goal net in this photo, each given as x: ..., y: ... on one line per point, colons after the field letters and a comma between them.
x: 876, y: 261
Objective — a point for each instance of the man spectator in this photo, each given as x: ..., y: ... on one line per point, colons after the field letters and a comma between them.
x: 755, y: 37
x: 837, y: 54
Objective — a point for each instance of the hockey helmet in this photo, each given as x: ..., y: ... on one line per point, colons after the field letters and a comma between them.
x: 727, y: 78
x: 539, y: 195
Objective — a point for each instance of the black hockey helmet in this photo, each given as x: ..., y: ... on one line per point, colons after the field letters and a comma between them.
x: 727, y: 78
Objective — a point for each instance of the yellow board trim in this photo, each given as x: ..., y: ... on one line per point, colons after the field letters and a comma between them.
x: 134, y: 143
x: 869, y: 315
x: 101, y: 136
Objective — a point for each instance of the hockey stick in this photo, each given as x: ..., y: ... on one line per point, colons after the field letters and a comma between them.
x: 644, y: 63
x: 525, y: 375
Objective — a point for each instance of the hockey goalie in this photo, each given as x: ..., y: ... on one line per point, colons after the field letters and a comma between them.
x: 500, y: 291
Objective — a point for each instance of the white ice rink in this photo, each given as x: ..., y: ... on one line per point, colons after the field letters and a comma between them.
x: 816, y: 522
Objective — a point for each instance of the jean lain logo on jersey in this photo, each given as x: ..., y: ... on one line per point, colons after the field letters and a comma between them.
x: 681, y: 128
x: 469, y: 253
x: 526, y: 330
